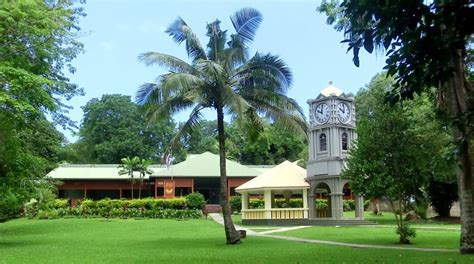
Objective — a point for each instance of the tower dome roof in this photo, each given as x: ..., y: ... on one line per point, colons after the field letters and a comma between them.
x: 331, y: 90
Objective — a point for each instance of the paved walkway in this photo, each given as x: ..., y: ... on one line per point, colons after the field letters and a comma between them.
x: 218, y: 218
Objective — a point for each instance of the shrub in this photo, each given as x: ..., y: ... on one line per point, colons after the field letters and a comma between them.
x: 195, y: 200
x: 321, y: 204
x: 49, y: 214
x: 58, y: 203
x: 236, y: 203
x: 256, y: 204
x: 405, y: 232
x: 10, y: 206
x: 31, y: 208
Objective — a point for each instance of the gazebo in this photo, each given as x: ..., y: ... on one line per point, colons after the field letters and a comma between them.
x: 284, y: 181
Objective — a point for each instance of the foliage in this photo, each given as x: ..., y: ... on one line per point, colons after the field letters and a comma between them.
x: 10, y: 206
x: 223, y: 78
x: 146, y: 208
x: 274, y: 145
x: 113, y: 127
x: 397, y: 147
x: 236, y: 204
x: 195, y: 200
x: 201, y: 139
x: 442, y: 195
x: 47, y: 214
x: 37, y: 42
x: 405, y: 232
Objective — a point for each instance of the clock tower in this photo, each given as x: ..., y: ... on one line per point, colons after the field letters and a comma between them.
x: 331, y: 133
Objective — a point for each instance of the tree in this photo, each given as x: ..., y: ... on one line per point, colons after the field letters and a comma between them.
x: 113, y: 127
x: 203, y: 138
x: 426, y: 46
x: 273, y: 146
x: 128, y: 167
x: 397, y: 146
x: 225, y: 79
x: 37, y: 42
x: 142, y: 167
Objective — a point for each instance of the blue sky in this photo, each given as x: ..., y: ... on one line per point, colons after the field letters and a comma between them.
x: 116, y: 32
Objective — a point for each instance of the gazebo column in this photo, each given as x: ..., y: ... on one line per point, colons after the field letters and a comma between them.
x: 312, y: 206
x: 336, y: 205
x: 359, y: 206
x: 268, y: 204
x: 305, y: 203
x: 245, y: 204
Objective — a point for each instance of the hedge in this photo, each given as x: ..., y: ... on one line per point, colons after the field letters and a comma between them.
x: 188, y: 207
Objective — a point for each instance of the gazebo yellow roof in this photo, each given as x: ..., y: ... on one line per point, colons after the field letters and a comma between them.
x: 286, y: 175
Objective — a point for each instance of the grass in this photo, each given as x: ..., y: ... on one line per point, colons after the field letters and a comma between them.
x: 388, y: 218
x: 448, y: 239
x: 171, y: 241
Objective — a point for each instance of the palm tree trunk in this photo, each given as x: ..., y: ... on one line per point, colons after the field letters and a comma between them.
x: 459, y: 95
x: 140, y: 188
x: 232, y: 236
x: 131, y: 184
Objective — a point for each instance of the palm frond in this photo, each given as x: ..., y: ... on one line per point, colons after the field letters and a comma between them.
x: 234, y: 103
x: 212, y: 70
x: 217, y: 39
x: 236, y: 54
x: 246, y: 22
x: 277, y: 107
x: 164, y: 60
x: 147, y: 91
x: 269, y: 65
x: 191, y: 125
x: 180, y: 31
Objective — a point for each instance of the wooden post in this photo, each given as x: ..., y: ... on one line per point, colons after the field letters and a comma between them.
x: 245, y: 203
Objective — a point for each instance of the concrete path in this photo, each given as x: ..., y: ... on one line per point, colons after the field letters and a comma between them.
x: 282, y: 229
x: 315, y: 241
x: 218, y: 218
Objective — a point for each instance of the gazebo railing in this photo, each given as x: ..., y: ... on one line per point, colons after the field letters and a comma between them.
x: 275, y: 213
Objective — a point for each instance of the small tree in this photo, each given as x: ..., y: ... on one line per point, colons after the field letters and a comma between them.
x: 128, y: 167
x: 395, y: 150
x: 142, y: 167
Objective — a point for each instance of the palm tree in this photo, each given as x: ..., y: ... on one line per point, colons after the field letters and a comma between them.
x: 142, y: 167
x: 222, y: 77
x: 129, y: 166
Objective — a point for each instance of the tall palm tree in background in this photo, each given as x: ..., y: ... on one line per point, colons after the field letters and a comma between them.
x: 222, y: 77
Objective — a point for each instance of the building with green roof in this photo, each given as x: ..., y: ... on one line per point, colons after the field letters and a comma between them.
x: 198, y: 173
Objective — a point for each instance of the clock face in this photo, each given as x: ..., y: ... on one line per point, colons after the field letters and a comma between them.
x: 343, y: 113
x: 321, y: 113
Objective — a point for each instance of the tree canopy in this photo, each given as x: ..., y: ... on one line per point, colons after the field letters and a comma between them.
x: 113, y: 128
x: 399, y: 148
x: 37, y: 42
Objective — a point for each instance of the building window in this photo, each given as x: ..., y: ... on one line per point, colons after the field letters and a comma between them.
x: 182, y: 191
x: 322, y: 142
x: 344, y: 141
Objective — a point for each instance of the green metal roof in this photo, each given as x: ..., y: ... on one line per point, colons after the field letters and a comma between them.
x: 206, y: 165
x: 198, y: 165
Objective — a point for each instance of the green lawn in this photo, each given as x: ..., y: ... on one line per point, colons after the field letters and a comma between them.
x: 425, y: 238
x: 171, y: 241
